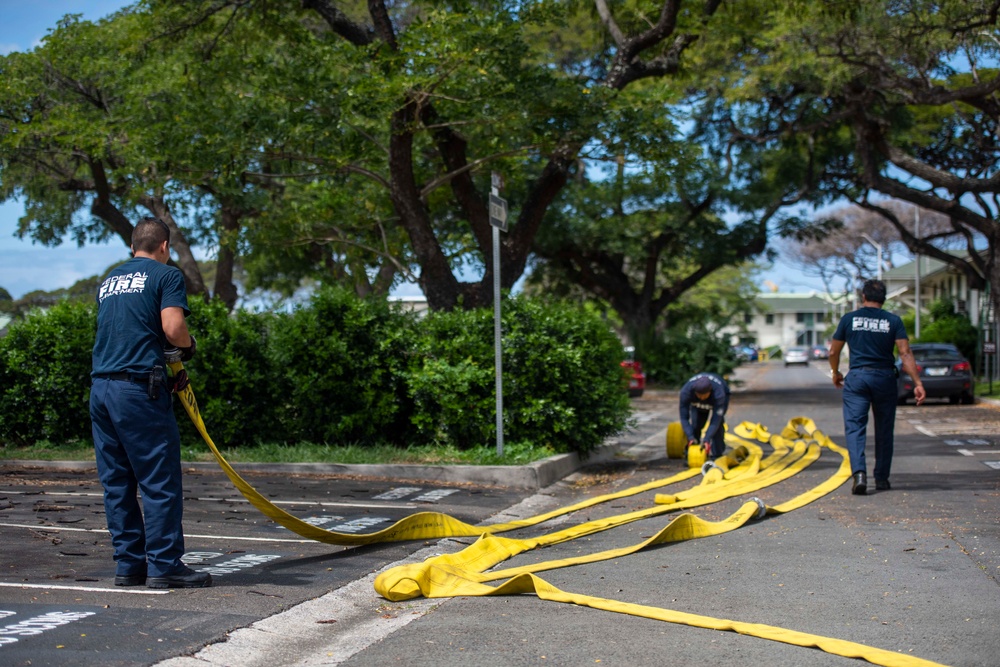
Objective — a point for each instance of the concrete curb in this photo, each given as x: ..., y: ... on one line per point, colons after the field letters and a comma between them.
x: 532, y: 476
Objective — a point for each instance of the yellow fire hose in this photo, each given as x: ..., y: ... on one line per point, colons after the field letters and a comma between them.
x: 744, y: 470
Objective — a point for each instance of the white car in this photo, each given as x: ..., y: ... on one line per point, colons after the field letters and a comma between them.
x: 797, y: 355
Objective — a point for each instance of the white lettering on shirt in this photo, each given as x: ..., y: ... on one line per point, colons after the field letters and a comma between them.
x: 129, y: 283
x: 876, y: 324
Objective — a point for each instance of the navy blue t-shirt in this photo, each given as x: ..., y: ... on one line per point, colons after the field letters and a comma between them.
x: 871, y: 334
x: 129, y: 329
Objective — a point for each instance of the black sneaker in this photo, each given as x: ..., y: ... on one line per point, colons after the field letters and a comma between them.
x: 137, y: 579
x: 882, y: 485
x: 186, y: 578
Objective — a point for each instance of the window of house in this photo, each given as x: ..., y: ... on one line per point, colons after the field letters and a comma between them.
x: 747, y: 318
x: 769, y: 318
x: 800, y: 317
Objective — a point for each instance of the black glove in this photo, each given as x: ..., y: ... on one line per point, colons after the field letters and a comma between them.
x: 187, y: 353
x: 179, y: 382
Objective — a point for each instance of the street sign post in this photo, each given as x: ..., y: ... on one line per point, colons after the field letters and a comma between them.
x: 498, y: 219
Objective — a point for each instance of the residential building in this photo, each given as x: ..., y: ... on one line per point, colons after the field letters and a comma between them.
x: 937, y: 280
x: 787, y: 319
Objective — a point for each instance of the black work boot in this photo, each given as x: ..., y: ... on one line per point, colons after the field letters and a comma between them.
x: 860, y: 487
x: 186, y: 578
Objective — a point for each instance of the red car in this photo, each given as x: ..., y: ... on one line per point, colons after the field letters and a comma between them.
x: 636, y: 378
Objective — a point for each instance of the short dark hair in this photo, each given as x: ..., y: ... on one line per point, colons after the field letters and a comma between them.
x: 702, y: 385
x: 874, y: 291
x: 149, y: 233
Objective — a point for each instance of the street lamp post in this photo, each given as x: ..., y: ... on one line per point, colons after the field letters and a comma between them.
x: 878, y: 248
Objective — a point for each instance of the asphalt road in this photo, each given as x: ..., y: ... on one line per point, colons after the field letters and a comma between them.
x: 913, y: 570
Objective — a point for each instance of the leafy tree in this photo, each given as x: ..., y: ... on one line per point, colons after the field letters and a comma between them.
x: 901, y: 98
x: 429, y: 98
x: 68, y: 142
x: 948, y: 326
x: 834, y: 250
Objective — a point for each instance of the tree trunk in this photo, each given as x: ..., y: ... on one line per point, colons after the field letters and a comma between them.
x: 193, y: 281
x: 225, y: 289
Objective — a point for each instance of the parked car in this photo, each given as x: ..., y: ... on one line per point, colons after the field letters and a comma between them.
x: 819, y: 352
x: 797, y: 355
x: 633, y: 371
x: 745, y: 353
x: 944, y: 372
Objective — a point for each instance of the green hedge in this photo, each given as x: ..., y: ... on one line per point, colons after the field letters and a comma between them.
x: 234, y: 377
x: 45, y: 362
x: 338, y: 374
x: 344, y: 371
x: 672, y: 357
x: 563, y: 385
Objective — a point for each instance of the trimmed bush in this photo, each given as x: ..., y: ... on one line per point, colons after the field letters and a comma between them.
x: 670, y: 359
x: 339, y: 369
x: 233, y: 377
x: 45, y: 362
x: 563, y: 385
x: 344, y: 371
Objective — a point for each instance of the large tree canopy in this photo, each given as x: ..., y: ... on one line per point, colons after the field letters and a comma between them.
x: 354, y: 142
x: 430, y: 98
x: 900, y: 99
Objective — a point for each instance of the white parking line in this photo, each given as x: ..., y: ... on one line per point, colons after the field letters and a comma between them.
x: 105, y: 530
x: 86, y: 588
x: 925, y: 431
x: 401, y: 506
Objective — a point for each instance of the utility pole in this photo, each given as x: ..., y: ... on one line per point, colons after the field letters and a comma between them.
x: 916, y: 284
x: 498, y: 218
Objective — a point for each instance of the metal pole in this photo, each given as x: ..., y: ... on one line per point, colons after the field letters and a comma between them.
x: 878, y: 249
x: 916, y: 286
x: 496, y: 336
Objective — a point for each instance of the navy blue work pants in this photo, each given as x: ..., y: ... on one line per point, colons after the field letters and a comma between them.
x: 870, y: 389
x: 698, y: 420
x: 138, y: 451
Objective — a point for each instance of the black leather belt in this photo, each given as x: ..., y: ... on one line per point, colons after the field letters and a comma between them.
x: 130, y: 377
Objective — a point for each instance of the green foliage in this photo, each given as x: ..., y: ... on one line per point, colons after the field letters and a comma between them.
x: 947, y: 326
x: 563, y: 386
x: 337, y: 370
x: 672, y: 357
x: 44, y: 375
x: 232, y: 375
x: 346, y: 372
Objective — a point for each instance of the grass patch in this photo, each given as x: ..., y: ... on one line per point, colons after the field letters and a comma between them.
x: 515, y: 453
x: 983, y: 389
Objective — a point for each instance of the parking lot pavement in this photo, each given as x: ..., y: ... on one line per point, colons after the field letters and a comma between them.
x: 914, y: 570
x: 59, y: 605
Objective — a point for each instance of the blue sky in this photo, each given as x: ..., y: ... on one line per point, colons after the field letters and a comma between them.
x: 26, y: 266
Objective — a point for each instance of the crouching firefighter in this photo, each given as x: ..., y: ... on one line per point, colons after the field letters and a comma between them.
x: 705, y: 399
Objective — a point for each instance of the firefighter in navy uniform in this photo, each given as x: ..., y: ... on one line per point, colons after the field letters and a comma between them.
x: 141, y: 310
x: 871, y: 334
x: 705, y: 399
